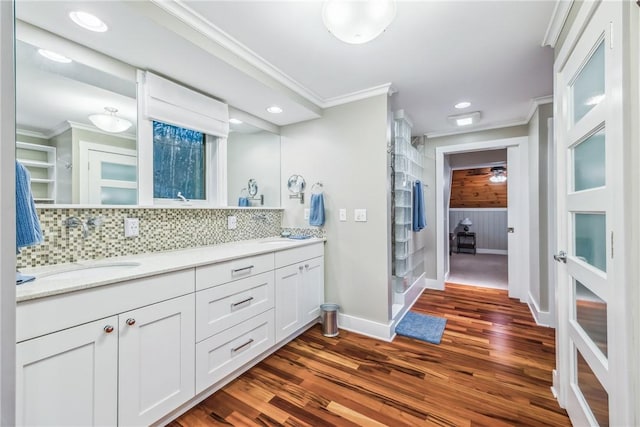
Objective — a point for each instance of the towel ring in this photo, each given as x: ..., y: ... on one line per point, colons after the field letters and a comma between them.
x: 317, y: 187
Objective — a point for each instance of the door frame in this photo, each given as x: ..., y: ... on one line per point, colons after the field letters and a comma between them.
x: 520, y: 144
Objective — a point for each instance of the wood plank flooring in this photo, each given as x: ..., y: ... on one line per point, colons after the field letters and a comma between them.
x: 492, y: 368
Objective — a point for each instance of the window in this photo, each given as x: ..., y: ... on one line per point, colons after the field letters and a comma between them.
x: 179, y: 163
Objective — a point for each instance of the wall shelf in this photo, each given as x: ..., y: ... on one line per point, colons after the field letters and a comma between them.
x: 40, y: 160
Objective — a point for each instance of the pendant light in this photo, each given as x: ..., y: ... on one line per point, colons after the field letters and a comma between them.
x: 109, y: 122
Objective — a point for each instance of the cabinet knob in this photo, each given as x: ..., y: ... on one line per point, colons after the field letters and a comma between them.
x: 131, y: 322
x: 301, y: 267
x: 306, y: 266
x: 108, y: 329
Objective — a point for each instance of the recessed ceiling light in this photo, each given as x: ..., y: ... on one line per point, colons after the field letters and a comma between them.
x: 274, y: 109
x: 463, y: 104
x: 465, y: 119
x: 88, y: 21
x: 54, y: 56
x: 235, y: 121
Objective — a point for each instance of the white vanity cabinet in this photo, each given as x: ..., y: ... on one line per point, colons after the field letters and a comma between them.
x: 130, y: 368
x: 299, y: 288
x: 156, y: 353
x: 69, y: 378
x: 234, y: 316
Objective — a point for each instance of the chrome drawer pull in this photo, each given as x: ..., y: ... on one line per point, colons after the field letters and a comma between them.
x: 240, y: 270
x: 235, y: 350
x: 235, y: 305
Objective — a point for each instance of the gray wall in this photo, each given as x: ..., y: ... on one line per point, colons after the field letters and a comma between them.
x: 430, y: 167
x: 346, y: 149
x: 538, y: 196
x: 490, y: 226
x: 468, y: 160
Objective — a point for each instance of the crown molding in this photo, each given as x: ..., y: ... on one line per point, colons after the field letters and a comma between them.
x: 558, y: 18
x: 205, y: 27
x: 198, y: 22
x: 537, y: 102
x: 384, y: 89
x: 89, y: 128
x: 30, y: 133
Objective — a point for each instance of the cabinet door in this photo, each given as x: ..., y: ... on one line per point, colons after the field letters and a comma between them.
x: 157, y: 360
x: 312, y: 288
x: 288, y: 299
x: 69, y: 377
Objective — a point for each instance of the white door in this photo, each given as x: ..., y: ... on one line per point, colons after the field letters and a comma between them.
x: 110, y: 175
x: 69, y: 378
x: 157, y: 360
x: 288, y: 298
x: 515, y: 232
x: 591, y: 287
x: 312, y: 289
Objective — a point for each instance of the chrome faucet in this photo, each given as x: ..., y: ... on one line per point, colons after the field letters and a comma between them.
x: 74, y: 221
x: 93, y: 222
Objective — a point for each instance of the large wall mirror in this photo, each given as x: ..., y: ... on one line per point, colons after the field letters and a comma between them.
x: 78, y: 160
x: 253, y: 167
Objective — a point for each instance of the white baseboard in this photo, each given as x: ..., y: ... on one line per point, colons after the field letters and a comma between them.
x: 433, y: 284
x: 383, y: 331
x: 491, y: 251
x: 377, y: 330
x: 542, y: 318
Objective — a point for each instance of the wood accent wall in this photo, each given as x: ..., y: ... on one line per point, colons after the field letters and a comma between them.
x: 471, y: 188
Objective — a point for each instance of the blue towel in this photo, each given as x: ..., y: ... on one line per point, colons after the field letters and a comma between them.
x: 316, y: 214
x: 419, y: 215
x: 28, y: 230
x: 23, y: 278
x: 243, y: 201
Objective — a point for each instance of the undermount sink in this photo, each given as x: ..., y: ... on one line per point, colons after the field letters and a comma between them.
x: 84, y: 270
x: 276, y: 242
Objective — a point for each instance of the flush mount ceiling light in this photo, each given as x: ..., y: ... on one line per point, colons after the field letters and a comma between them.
x: 274, y: 109
x: 88, y: 21
x: 109, y: 122
x: 498, y: 174
x: 235, y: 121
x: 358, y: 22
x: 54, y: 56
x: 463, y: 104
x: 465, y: 119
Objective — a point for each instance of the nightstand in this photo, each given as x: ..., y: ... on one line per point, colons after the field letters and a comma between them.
x: 466, y: 241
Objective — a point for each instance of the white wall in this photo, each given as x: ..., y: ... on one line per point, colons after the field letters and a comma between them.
x: 257, y: 156
x: 7, y: 218
x: 346, y: 149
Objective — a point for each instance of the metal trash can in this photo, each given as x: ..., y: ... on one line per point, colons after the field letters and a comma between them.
x: 329, y: 319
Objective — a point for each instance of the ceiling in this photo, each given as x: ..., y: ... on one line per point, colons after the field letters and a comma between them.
x: 253, y: 54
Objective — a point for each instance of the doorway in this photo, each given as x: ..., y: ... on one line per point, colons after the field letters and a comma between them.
x: 517, y: 213
x: 477, y: 219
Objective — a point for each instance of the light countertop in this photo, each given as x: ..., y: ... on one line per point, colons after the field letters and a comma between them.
x: 52, y: 280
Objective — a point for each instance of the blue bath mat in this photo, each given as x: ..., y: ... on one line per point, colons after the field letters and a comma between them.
x: 422, y: 327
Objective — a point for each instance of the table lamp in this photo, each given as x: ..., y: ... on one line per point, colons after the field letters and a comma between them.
x: 466, y: 223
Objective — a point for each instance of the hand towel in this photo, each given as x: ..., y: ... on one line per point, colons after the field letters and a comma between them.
x: 316, y: 214
x: 28, y: 230
x: 419, y: 216
x: 243, y: 201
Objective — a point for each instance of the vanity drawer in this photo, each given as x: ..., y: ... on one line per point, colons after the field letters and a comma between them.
x: 221, y: 307
x: 222, y: 354
x: 217, y: 274
x: 295, y: 255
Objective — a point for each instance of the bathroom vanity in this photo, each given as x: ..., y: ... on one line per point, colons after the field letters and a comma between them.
x: 139, y: 340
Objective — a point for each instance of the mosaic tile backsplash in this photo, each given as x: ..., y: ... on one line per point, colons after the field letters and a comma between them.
x: 160, y: 230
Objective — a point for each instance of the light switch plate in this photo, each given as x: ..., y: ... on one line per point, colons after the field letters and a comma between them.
x: 343, y: 214
x: 307, y: 212
x: 360, y: 215
x: 131, y: 227
x: 232, y: 222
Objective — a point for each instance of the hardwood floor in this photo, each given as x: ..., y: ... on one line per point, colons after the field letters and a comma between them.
x: 492, y: 368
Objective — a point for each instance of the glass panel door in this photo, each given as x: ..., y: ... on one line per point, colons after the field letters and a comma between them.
x: 113, y: 178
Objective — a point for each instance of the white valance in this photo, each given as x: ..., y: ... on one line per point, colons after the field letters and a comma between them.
x: 171, y: 103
